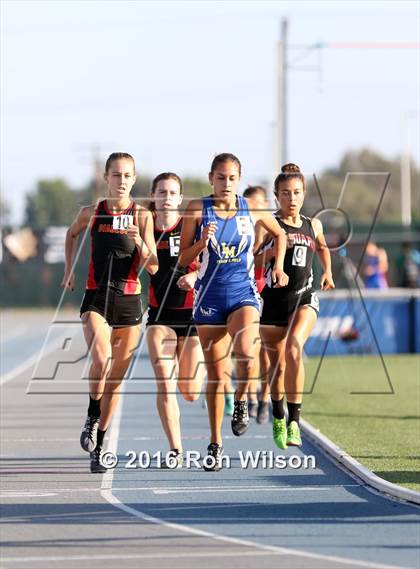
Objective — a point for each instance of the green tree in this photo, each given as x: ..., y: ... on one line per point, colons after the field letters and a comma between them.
x: 364, y: 186
x: 53, y: 203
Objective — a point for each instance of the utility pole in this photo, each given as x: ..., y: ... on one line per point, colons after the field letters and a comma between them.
x: 405, y: 170
x: 99, y: 188
x: 281, y: 131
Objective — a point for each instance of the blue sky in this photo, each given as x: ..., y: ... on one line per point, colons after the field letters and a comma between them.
x: 173, y: 83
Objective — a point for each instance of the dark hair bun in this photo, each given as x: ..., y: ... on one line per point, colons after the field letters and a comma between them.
x: 290, y: 169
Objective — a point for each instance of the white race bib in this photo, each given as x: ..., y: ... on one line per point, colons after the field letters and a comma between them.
x: 244, y: 225
x: 122, y: 222
x: 174, y: 245
x: 299, y: 256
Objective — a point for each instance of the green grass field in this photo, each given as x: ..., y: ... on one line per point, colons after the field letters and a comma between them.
x: 382, y: 431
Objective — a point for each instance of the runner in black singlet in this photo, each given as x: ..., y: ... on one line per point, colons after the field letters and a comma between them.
x: 174, y: 347
x: 121, y: 244
x: 289, y: 313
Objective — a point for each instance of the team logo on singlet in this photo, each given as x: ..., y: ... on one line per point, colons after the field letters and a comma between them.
x: 206, y: 311
x: 227, y: 252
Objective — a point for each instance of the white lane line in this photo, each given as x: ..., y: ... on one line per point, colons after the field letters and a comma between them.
x: 32, y: 360
x: 27, y: 495
x: 157, y: 438
x: 175, y: 554
x: 108, y: 495
x: 233, y: 489
x: 171, y: 490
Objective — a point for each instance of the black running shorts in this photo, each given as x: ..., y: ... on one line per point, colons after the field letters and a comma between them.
x: 277, y: 309
x: 118, y: 309
x: 180, y: 320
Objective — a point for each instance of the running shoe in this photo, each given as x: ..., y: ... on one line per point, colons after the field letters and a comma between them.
x: 280, y: 432
x: 229, y: 404
x: 263, y: 412
x: 89, y: 434
x: 96, y: 466
x: 213, y: 461
x: 252, y: 409
x: 293, y: 435
x: 175, y: 459
x: 240, y: 418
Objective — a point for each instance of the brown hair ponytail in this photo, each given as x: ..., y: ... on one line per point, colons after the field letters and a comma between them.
x: 288, y: 172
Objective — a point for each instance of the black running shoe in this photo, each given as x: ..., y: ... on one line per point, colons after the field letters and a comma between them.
x: 89, y: 434
x: 213, y: 460
x: 263, y: 413
x: 96, y: 466
x: 252, y: 409
x: 240, y: 418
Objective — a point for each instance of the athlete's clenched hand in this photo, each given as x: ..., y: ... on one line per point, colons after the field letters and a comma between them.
x: 208, y: 232
x: 134, y: 233
x: 68, y: 281
x: 187, y: 282
x: 326, y: 282
x: 279, y: 278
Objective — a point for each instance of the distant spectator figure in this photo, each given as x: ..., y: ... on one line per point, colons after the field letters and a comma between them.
x: 408, y: 264
x: 375, y: 266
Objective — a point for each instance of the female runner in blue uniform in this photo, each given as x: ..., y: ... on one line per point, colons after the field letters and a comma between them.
x: 174, y: 348
x: 290, y: 313
x: 122, y: 244
x: 220, y: 229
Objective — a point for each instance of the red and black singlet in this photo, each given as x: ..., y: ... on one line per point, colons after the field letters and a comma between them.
x: 114, y: 259
x: 163, y: 290
x: 298, y: 258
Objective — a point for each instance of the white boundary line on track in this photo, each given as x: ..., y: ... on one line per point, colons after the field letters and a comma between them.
x: 123, y: 557
x: 385, y: 488
x: 107, y: 494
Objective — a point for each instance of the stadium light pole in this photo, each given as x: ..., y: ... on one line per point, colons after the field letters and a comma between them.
x: 405, y: 169
x: 283, y: 66
x: 282, y: 97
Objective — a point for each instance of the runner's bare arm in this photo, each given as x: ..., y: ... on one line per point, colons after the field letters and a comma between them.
x: 280, y: 244
x: 324, y: 255
x: 142, y: 233
x: 189, y: 249
x: 79, y: 224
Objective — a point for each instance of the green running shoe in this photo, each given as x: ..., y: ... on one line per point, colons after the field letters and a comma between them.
x: 280, y: 432
x: 229, y: 404
x: 293, y: 435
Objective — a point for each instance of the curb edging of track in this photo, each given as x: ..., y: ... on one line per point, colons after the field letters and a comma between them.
x: 355, y: 467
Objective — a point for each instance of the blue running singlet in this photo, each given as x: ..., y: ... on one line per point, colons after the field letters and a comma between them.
x: 226, y: 278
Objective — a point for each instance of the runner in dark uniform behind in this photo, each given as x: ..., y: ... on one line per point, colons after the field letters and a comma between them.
x: 259, y: 400
x: 121, y: 244
x: 174, y: 347
x: 289, y: 313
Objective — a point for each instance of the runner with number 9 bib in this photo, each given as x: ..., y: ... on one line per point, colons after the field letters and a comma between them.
x: 289, y: 313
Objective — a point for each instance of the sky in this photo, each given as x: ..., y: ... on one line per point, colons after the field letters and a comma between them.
x: 174, y: 83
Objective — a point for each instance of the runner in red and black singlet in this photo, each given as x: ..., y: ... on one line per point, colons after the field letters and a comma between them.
x: 298, y: 265
x: 171, y: 335
x: 290, y: 313
x: 164, y: 293
x: 114, y: 258
x: 121, y: 244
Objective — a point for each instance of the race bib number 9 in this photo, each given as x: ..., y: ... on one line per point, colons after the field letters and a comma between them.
x: 244, y: 225
x: 122, y: 222
x: 299, y: 256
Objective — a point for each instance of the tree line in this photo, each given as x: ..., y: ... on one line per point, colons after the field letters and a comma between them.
x: 54, y: 202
